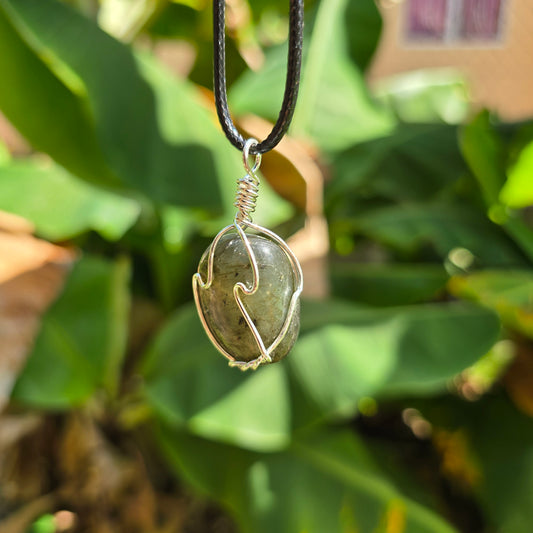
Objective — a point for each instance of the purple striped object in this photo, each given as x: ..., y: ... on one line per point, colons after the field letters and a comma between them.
x: 480, y: 19
x: 427, y: 18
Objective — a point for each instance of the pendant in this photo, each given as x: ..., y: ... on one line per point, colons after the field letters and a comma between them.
x: 248, y: 285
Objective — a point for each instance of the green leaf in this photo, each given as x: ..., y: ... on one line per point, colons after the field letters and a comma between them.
x: 510, y: 293
x: 443, y: 226
x: 177, y: 20
x: 339, y: 364
x: 82, y: 339
x: 334, y: 108
x: 183, y: 120
x: 518, y: 190
x: 415, y: 162
x: 262, y: 92
x: 362, y: 352
x: 44, y: 524
x: 5, y: 155
x: 426, y: 96
x: 280, y: 6
x: 387, y: 284
x: 483, y: 151
x: 123, y: 105
x: 364, y: 24
x: 190, y: 385
x: 53, y: 118
x: 60, y: 205
x: 325, y: 482
x: 214, y: 468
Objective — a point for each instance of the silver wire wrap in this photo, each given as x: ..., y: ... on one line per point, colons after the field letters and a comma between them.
x: 247, y: 187
x: 245, y: 201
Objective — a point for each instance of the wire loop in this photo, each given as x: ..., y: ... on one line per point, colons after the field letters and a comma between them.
x: 248, y: 145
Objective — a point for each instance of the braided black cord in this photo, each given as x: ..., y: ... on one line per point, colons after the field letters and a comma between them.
x: 292, y: 82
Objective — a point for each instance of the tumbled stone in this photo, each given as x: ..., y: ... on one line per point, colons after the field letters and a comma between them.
x: 268, y: 307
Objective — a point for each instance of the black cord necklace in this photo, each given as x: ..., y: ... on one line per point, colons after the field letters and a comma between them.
x: 292, y: 83
x: 248, y: 285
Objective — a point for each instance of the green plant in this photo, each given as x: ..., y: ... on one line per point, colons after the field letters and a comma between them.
x: 431, y: 267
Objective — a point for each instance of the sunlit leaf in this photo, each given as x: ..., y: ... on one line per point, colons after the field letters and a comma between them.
x: 59, y: 122
x: 334, y: 108
x: 44, y: 524
x: 426, y: 96
x: 483, y: 151
x: 62, y: 206
x: 5, y: 156
x: 261, y: 93
x: 518, y: 190
x: 123, y: 107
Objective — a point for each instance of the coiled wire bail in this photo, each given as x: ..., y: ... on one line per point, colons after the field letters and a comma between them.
x: 247, y: 187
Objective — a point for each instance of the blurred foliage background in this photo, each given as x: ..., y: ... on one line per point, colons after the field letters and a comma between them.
x: 405, y: 406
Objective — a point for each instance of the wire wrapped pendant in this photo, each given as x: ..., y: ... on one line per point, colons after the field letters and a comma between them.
x: 248, y: 285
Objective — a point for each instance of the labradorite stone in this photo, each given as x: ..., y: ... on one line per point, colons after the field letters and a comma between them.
x: 267, y: 307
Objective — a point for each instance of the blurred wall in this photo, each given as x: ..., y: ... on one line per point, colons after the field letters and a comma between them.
x: 499, y: 68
